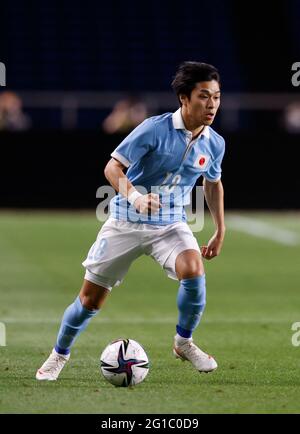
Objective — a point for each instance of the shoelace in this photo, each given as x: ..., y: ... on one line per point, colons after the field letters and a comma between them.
x: 54, y: 363
x: 191, y: 349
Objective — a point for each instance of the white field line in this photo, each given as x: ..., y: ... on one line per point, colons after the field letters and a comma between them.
x: 260, y: 229
x: 149, y: 321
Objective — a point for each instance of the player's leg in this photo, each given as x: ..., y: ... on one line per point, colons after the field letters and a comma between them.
x: 176, y: 249
x: 107, y: 263
x: 191, y: 302
x: 75, y: 319
x: 191, y: 294
x: 78, y: 315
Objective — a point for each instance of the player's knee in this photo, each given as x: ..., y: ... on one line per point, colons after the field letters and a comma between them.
x: 89, y: 302
x: 190, y: 269
x: 92, y: 296
x: 189, y: 265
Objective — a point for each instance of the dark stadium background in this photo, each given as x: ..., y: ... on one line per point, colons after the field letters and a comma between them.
x: 71, y: 61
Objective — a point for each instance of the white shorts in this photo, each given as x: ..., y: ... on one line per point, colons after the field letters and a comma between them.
x: 119, y: 243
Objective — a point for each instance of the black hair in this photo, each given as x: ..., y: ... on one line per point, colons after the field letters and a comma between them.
x: 191, y: 73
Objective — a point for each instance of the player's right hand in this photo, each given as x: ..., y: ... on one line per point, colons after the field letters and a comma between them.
x: 147, y: 203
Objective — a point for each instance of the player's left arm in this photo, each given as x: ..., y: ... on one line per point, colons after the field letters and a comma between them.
x: 214, y: 195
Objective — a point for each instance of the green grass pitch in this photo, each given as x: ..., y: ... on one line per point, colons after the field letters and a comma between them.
x: 252, y: 302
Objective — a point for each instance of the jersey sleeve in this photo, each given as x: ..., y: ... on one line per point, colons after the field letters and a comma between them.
x: 214, y: 171
x: 137, y: 144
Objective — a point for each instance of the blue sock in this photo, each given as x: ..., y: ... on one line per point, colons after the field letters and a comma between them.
x: 74, y: 321
x: 191, y: 301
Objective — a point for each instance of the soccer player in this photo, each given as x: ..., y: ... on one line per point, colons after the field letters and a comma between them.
x: 166, y: 155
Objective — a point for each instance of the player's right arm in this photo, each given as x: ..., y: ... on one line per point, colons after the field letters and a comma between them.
x: 134, y: 147
x: 114, y: 173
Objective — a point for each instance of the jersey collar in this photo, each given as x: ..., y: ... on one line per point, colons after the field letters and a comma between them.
x: 178, y: 124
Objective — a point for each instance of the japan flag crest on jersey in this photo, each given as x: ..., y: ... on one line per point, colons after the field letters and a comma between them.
x: 202, y: 161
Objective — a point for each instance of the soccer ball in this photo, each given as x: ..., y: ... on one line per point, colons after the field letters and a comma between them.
x: 124, y: 362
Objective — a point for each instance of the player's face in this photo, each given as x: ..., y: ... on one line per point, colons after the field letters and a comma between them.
x: 202, y: 106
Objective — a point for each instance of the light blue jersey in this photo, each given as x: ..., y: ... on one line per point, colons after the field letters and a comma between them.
x: 162, y: 158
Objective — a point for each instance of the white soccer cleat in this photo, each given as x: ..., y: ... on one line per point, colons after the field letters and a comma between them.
x: 200, y: 360
x: 50, y: 370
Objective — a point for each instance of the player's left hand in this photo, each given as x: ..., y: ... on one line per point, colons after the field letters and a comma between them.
x: 213, y: 247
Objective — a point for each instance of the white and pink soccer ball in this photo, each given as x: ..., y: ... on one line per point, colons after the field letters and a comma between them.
x: 124, y: 362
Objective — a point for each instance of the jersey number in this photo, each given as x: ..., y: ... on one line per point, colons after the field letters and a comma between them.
x: 168, y: 186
